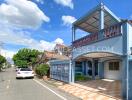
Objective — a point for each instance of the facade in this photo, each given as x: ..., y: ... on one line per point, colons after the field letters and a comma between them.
x: 61, y: 49
x: 106, y: 51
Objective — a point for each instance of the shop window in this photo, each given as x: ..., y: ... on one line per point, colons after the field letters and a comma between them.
x: 113, y: 66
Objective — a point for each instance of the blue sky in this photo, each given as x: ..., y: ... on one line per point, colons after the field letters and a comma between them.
x: 39, y: 24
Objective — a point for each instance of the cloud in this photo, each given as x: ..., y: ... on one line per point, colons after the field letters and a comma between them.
x: 22, y: 13
x: 9, y: 35
x: 16, y: 16
x: 46, y: 45
x: 67, y: 3
x: 59, y: 41
x: 7, y: 53
x: 68, y: 20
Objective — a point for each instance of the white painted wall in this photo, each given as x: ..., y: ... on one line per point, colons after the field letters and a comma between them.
x: 130, y: 37
x: 115, y: 75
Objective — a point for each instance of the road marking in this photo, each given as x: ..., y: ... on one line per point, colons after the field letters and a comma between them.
x: 7, y: 86
x: 50, y: 89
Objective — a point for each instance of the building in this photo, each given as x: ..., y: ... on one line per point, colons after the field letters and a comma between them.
x: 47, y: 56
x: 61, y: 49
x: 105, y: 52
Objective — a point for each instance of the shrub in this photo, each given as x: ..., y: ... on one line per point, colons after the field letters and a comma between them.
x: 81, y: 78
x: 42, y: 69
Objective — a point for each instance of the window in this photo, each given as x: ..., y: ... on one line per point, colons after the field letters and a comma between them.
x: 113, y: 66
x: 25, y: 69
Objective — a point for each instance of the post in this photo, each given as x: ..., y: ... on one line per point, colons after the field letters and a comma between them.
x: 124, y: 77
x: 125, y: 62
x: 86, y: 71
x: 93, y: 69
x: 101, y: 17
x: 83, y: 67
x: 73, y: 72
x: 101, y: 70
x: 73, y: 34
x: 130, y: 81
x: 70, y: 71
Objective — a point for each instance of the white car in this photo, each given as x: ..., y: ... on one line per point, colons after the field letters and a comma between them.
x: 25, y: 73
x: 17, y: 69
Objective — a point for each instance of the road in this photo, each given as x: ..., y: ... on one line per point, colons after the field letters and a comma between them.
x: 27, y: 89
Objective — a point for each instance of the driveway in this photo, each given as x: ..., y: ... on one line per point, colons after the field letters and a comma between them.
x: 95, y: 90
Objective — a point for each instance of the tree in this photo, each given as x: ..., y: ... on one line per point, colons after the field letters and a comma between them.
x: 42, y: 70
x: 2, y: 61
x: 25, y: 57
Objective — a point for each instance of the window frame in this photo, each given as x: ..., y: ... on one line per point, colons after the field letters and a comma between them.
x: 114, y: 66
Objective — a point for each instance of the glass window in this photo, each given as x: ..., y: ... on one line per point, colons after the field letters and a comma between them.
x: 25, y: 69
x: 113, y: 66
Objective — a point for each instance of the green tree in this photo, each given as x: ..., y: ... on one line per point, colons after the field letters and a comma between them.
x: 2, y: 61
x: 26, y: 57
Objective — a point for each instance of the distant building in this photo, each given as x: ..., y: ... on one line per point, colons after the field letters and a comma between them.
x: 61, y: 49
x: 50, y: 55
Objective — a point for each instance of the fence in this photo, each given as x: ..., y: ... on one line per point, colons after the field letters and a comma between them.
x: 59, y: 70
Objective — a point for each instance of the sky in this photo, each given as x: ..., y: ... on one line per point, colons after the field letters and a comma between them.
x: 40, y: 24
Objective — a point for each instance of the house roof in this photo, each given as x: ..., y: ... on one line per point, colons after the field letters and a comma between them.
x: 130, y: 22
x: 50, y: 55
x: 90, y: 22
x: 53, y: 55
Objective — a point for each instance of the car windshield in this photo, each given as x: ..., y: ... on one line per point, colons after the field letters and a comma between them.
x: 25, y: 69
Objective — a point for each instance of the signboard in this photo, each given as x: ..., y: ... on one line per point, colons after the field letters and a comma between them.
x: 112, y: 45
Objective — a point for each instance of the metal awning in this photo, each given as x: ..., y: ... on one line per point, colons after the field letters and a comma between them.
x: 90, y: 22
x: 98, y: 55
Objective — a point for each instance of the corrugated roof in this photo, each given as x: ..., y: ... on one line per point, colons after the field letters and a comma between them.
x: 90, y: 22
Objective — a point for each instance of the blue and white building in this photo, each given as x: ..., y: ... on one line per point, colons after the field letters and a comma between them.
x: 105, y: 52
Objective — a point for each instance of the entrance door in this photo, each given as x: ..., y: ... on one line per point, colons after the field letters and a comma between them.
x: 90, y: 68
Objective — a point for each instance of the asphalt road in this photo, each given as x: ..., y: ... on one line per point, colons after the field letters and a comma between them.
x: 27, y: 89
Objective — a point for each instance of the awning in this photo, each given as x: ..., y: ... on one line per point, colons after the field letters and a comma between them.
x: 99, y: 55
x: 90, y: 22
x: 102, y: 55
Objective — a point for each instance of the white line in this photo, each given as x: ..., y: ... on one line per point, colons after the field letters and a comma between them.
x: 7, y: 86
x: 50, y: 90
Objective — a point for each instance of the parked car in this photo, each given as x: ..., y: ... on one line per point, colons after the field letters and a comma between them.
x: 24, y: 73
